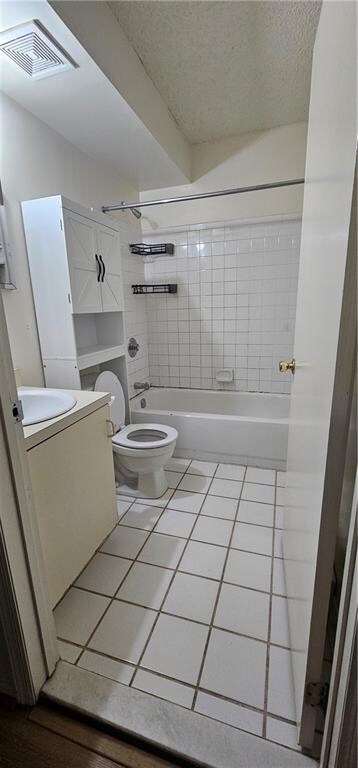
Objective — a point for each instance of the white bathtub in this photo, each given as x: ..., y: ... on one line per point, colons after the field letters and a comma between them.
x: 234, y: 427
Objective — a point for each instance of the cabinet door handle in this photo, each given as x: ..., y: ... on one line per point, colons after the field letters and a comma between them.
x: 98, y: 268
x: 104, y: 267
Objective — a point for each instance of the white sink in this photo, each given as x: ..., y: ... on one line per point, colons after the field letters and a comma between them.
x: 43, y: 404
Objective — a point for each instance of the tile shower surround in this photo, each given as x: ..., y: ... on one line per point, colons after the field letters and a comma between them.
x: 235, y: 307
x: 186, y: 599
x: 135, y: 316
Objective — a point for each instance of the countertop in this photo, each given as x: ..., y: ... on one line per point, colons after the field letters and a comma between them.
x: 87, y: 402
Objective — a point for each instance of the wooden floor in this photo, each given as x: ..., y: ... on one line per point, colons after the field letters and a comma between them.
x: 47, y: 738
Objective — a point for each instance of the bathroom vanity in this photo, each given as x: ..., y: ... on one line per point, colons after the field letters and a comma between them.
x: 72, y: 475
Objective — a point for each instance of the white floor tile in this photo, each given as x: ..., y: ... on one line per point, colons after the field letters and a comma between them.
x: 256, y: 475
x: 279, y: 517
x: 124, y: 542
x: 218, y: 506
x: 186, y: 501
x: 173, y: 478
x: 206, y: 468
x: 281, y: 496
x: 122, y: 506
x: 235, y: 667
x: 123, y: 631
x: 162, y: 550
x: 282, y: 733
x: 257, y: 492
x: 231, y: 714
x: 278, y: 543
x: 162, y: 501
x: 212, y: 530
x: 229, y: 488
x: 176, y: 648
x: 243, y: 611
x: 178, y: 465
x: 203, y: 560
x: 279, y: 584
x: 280, y: 691
x: 255, y: 513
x: 103, y: 574
x: 230, y: 472
x: 248, y: 570
x: 69, y: 652
x: 175, y: 523
x: 142, y: 516
x: 281, y: 479
x: 101, y: 665
x: 197, y: 483
x: 279, y: 622
x: 191, y: 597
x: 164, y: 688
x: 77, y: 615
x: 145, y: 585
x: 252, y: 538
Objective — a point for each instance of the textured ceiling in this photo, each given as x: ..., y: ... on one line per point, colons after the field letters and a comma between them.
x: 225, y: 67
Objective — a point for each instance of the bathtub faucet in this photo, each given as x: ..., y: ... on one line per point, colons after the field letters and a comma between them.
x: 141, y: 385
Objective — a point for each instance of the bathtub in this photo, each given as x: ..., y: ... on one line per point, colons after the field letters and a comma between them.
x: 234, y: 427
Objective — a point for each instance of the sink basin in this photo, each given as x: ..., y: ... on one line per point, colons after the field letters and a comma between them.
x: 43, y: 404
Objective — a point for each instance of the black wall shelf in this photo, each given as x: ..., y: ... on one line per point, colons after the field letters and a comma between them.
x: 150, y: 289
x: 157, y: 249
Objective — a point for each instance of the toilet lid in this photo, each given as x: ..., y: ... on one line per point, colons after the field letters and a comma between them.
x: 107, y: 381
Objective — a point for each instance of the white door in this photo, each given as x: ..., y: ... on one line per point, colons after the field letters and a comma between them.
x: 108, y: 247
x: 83, y: 263
x: 308, y: 551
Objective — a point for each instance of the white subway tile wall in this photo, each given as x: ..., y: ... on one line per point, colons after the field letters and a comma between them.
x: 135, y: 316
x: 235, y: 307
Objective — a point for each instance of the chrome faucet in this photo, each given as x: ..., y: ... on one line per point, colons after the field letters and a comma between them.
x: 141, y: 385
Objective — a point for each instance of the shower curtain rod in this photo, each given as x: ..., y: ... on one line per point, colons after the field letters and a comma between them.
x: 201, y: 196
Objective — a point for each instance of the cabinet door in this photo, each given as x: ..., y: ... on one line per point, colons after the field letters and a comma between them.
x: 112, y: 293
x: 108, y: 246
x: 84, y: 275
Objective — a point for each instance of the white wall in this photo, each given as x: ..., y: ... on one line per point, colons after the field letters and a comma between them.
x: 123, y: 67
x: 251, y: 158
x: 36, y: 161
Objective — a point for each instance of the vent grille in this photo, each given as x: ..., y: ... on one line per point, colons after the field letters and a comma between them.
x: 32, y: 49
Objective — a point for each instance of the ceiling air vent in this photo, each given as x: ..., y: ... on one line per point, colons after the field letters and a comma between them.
x: 33, y: 49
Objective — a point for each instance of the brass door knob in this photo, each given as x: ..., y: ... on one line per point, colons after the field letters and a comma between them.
x: 285, y: 366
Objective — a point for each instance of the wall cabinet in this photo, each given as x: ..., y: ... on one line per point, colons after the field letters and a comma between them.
x: 76, y: 274
x: 93, y: 254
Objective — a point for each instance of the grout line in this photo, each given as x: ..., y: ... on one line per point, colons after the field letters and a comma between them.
x: 217, y: 600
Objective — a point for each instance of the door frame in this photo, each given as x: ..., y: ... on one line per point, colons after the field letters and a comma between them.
x: 25, y: 610
x: 340, y: 699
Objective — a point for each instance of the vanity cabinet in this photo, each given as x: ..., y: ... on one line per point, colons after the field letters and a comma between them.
x: 72, y: 478
x: 77, y: 282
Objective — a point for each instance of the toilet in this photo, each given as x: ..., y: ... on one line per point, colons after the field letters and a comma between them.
x: 140, y: 451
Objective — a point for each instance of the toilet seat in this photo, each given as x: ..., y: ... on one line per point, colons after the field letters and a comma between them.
x: 145, y: 436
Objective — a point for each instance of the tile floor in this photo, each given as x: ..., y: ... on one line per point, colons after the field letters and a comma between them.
x: 186, y: 599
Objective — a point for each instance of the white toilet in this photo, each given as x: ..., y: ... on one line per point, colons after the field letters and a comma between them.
x: 140, y: 451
